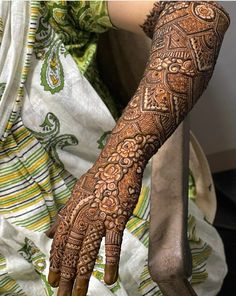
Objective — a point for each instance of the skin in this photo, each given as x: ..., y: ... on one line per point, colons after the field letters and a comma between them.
x: 186, y: 40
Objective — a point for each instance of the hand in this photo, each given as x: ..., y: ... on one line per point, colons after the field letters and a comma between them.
x: 101, y: 204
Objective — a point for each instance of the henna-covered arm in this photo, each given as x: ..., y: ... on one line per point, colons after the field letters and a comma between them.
x: 186, y: 40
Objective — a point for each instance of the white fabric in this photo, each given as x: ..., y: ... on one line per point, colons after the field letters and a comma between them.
x: 12, y: 52
x: 133, y: 259
x: 83, y: 114
x: 206, y: 196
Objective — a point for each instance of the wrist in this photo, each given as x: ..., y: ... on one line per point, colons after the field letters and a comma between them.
x: 131, y: 153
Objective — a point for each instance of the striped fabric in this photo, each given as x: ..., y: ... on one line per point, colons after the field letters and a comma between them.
x: 200, y: 250
x: 146, y: 286
x: 7, y: 284
x: 34, y: 186
x: 1, y: 29
x: 33, y: 21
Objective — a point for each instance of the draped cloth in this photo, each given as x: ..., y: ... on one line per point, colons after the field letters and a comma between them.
x: 53, y: 125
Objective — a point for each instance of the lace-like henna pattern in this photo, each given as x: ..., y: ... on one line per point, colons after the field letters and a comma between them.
x: 151, y: 20
x: 186, y: 42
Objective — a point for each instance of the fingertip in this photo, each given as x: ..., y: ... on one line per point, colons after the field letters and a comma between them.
x: 112, y: 248
x: 111, y: 273
x: 53, y: 279
x: 65, y: 287
x: 80, y: 287
x: 49, y: 233
x: 52, y: 230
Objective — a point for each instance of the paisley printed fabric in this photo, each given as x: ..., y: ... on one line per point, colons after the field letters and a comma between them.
x: 78, y: 25
x: 53, y: 126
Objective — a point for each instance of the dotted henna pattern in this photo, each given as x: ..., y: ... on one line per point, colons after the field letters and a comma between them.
x: 186, y: 40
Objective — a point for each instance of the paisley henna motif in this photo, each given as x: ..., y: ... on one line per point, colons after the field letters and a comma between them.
x: 186, y: 40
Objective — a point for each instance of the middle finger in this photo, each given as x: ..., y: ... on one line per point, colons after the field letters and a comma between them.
x: 87, y: 259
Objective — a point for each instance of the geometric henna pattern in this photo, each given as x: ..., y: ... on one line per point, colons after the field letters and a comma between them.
x: 186, y: 41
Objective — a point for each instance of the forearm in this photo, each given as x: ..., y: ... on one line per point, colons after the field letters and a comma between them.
x: 183, y: 54
x: 186, y: 40
x: 185, y: 44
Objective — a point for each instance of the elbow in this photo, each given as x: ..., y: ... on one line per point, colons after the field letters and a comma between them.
x: 205, y: 11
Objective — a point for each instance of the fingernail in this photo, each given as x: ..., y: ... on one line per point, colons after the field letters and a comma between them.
x: 79, y: 292
x: 53, y: 279
x: 48, y: 233
x: 111, y: 274
x: 81, y: 287
x: 65, y: 287
x: 64, y: 292
x: 55, y: 284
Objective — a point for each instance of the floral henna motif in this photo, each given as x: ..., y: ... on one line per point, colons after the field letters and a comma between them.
x: 104, y: 210
x: 186, y: 40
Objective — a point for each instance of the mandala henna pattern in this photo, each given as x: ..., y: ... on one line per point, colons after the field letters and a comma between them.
x: 186, y: 40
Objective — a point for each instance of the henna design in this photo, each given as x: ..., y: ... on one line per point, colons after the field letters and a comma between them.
x: 186, y: 40
x: 150, y: 22
x: 113, y: 242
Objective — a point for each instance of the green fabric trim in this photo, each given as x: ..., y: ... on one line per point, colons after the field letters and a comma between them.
x: 91, y: 16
